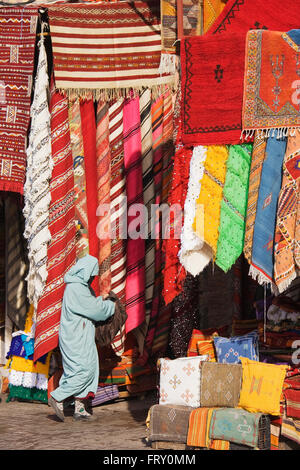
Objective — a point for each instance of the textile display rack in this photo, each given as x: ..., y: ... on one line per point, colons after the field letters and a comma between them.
x: 161, y: 138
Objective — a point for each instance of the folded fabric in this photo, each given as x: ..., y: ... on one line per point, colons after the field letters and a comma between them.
x: 198, y: 432
x: 104, y: 394
x: 230, y: 350
x: 207, y: 347
x: 270, y: 89
x: 234, y: 206
x: 242, y: 427
x: 292, y: 398
x: 180, y: 381
x: 262, y: 386
x: 29, y: 394
x: 92, y: 42
x: 220, y: 384
x: 212, y: 68
x: 199, y: 335
x: 169, y: 423
x: 290, y: 428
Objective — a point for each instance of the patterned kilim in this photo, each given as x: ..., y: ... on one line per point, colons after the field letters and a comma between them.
x: 290, y: 428
x: 135, y: 267
x: 212, y: 89
x: 88, y: 125
x: 286, y: 250
x: 103, y: 171
x: 37, y: 185
x: 17, y: 37
x: 148, y: 197
x: 258, y: 155
x: 106, y: 47
x: 2, y: 264
x: 220, y: 384
x: 234, y: 206
x: 270, y: 95
x: 169, y: 423
x: 211, y: 11
x: 81, y: 217
x: 62, y: 248
x: 118, y: 209
x: 262, y: 263
x: 242, y: 15
x: 198, y: 432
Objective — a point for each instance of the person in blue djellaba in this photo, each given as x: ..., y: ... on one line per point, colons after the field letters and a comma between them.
x: 81, y: 310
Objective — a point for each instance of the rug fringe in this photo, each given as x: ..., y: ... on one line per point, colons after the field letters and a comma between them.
x: 282, y: 132
x: 116, y: 93
x: 286, y: 284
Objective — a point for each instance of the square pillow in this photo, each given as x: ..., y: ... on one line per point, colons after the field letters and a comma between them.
x: 180, y: 381
x: 262, y: 386
x: 198, y: 335
x: 206, y: 346
x: 230, y: 350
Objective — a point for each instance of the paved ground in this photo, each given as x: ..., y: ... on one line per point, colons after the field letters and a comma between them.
x: 120, y: 425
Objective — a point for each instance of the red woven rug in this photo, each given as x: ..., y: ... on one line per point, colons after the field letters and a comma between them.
x: 62, y: 248
x: 242, y: 15
x: 103, y: 47
x: 212, y: 89
x: 17, y: 39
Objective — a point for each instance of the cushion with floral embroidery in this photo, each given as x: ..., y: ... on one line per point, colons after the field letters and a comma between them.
x: 180, y: 381
x: 230, y: 350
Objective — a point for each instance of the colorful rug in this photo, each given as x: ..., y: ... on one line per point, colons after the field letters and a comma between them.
x: 81, y: 215
x: 37, y: 185
x: 83, y: 38
x: 88, y: 125
x: 220, y: 384
x: 135, y: 266
x: 234, y: 206
x: 104, y: 394
x: 118, y: 215
x: 103, y: 211
x: 174, y: 273
x: 242, y: 15
x: 62, y: 248
x: 262, y: 264
x: 148, y: 199
x: 257, y: 159
x: 285, y: 263
x: 212, y: 89
x: 290, y: 428
x: 211, y: 11
x: 208, y: 209
x: 241, y: 427
x: 292, y: 399
x: 17, y: 35
x: 270, y: 99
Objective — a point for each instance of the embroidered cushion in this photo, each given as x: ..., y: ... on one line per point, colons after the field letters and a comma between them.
x: 262, y: 386
x: 220, y: 384
x: 198, y: 335
x: 206, y: 346
x: 230, y: 350
x: 180, y: 381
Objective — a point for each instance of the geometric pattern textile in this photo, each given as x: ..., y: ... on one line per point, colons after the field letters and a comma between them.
x: 102, y: 47
x: 17, y: 38
x: 287, y: 242
x: 62, y: 248
x: 220, y: 384
x: 261, y: 387
x: 180, y: 381
x: 169, y: 423
x: 230, y: 350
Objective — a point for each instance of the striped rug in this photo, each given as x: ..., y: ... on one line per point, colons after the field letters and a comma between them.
x: 104, y: 47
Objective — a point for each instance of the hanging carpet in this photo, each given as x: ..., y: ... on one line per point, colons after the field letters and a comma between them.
x: 17, y: 37
x: 103, y: 47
